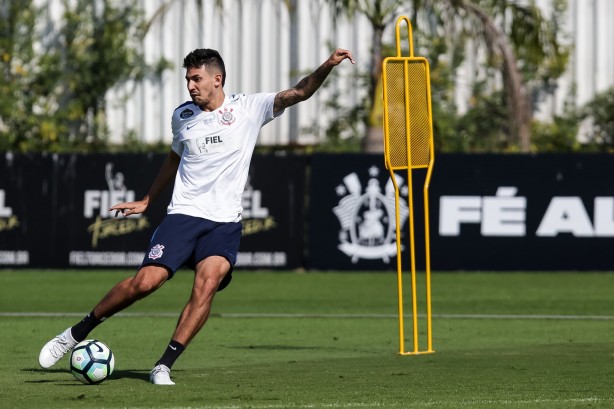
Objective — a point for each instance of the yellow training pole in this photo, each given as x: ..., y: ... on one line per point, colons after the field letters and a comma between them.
x: 410, y: 186
x: 408, y: 145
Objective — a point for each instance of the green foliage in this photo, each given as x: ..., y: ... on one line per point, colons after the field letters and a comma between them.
x: 537, y: 41
x: 536, y: 44
x: 133, y: 143
x: 20, y: 83
x: 483, y: 128
x: 442, y: 30
x: 343, y: 132
x: 600, y: 111
x: 443, y: 56
x: 54, y: 97
x: 558, y: 135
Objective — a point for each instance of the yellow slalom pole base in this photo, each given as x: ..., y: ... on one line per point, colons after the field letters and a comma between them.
x: 417, y: 353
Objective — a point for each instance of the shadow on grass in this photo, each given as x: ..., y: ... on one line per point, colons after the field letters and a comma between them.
x: 274, y: 347
x: 42, y: 371
x: 139, y: 374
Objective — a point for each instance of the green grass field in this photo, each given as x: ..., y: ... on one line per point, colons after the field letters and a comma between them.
x: 323, y: 340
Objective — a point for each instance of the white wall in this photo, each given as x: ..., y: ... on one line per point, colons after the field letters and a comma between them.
x: 591, y: 66
x: 255, y: 37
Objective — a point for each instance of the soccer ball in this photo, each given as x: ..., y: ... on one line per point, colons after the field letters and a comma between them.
x: 91, y: 361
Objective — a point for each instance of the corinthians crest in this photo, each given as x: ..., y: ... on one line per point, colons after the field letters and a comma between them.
x: 227, y: 117
x: 368, y: 218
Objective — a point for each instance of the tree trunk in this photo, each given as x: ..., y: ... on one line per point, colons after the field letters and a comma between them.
x: 518, y: 101
x: 516, y: 93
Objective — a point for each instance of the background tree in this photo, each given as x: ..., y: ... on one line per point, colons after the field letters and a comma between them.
x: 53, y: 95
x: 600, y: 113
x: 499, y: 47
x: 98, y: 47
x: 59, y: 91
x: 523, y: 49
x: 22, y: 88
x: 380, y: 14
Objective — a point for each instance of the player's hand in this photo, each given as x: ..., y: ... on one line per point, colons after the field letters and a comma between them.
x: 128, y: 208
x: 339, y: 55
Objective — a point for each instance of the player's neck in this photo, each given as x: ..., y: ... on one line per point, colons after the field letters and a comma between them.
x: 214, y: 103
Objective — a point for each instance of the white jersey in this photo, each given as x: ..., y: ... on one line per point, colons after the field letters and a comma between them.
x: 216, y: 149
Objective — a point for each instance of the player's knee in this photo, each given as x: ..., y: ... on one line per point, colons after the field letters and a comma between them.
x: 141, y: 288
x: 144, y: 284
x: 204, y: 290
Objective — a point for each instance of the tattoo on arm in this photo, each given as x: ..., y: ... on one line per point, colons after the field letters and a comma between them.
x: 286, y: 99
x: 304, y: 89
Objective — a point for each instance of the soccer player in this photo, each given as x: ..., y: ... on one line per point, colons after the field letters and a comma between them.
x: 214, y: 136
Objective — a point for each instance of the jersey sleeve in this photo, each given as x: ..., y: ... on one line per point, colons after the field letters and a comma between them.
x: 176, y: 144
x: 260, y: 107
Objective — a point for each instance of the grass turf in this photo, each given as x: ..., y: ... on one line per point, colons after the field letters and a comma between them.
x: 324, y: 340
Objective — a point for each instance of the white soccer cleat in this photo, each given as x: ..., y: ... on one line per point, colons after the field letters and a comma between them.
x: 161, y: 375
x: 56, y: 349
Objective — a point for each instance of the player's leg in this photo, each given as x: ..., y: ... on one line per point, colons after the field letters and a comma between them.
x: 170, y: 246
x: 148, y: 279
x: 217, y: 249
x: 207, y: 278
x: 209, y: 273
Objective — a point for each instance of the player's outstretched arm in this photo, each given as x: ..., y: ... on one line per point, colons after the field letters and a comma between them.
x: 165, y: 176
x: 308, y: 85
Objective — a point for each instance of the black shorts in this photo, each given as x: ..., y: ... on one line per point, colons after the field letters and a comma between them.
x: 182, y: 240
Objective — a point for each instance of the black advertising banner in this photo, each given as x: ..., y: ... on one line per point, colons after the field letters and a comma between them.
x: 26, y: 207
x: 54, y: 211
x: 352, y: 213
x: 273, y: 203
x: 87, y: 185
x: 487, y: 212
x: 519, y: 212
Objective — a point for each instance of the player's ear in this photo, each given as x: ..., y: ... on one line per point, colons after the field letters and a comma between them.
x: 217, y: 78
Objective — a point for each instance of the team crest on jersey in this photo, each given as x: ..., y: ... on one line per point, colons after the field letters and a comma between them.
x: 368, y: 227
x: 227, y: 116
x: 156, y: 251
x: 186, y: 113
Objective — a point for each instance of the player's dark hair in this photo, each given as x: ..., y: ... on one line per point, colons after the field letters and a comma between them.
x: 207, y: 57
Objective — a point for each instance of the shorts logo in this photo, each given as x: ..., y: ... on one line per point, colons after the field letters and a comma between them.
x: 156, y: 251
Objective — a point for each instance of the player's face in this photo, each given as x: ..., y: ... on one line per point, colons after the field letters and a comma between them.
x: 203, y: 86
